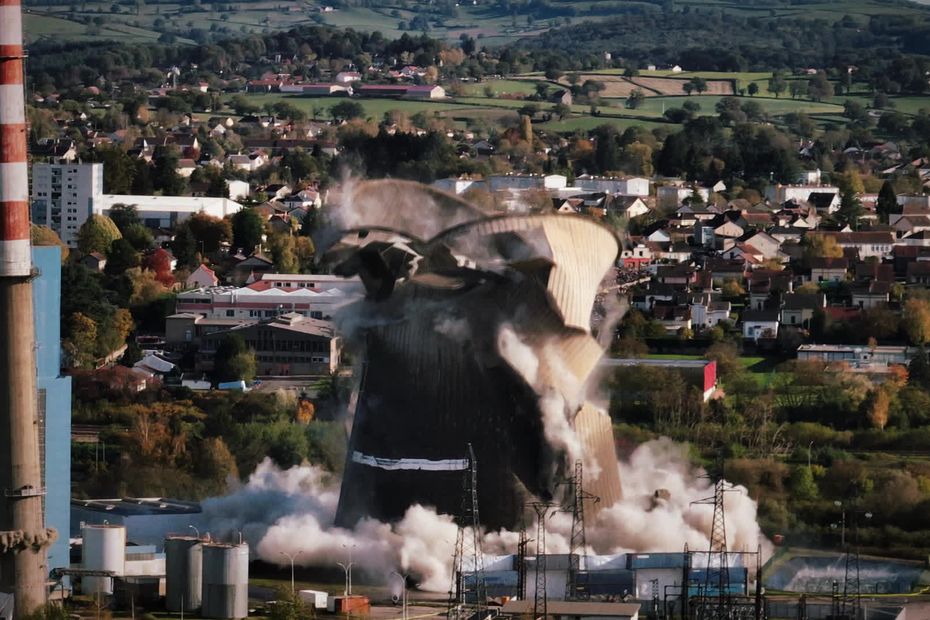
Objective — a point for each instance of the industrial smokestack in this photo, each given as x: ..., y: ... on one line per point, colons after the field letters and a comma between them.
x: 23, y: 537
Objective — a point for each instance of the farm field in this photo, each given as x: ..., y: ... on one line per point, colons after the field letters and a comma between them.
x: 487, y: 21
x: 478, y: 108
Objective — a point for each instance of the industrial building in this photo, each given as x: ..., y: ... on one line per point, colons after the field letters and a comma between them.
x: 192, y: 574
x: 54, y: 400
x: 628, y: 575
x: 146, y: 519
x: 288, y: 344
x: 65, y: 195
x: 314, y: 296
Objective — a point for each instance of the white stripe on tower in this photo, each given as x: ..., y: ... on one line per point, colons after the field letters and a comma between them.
x: 14, y: 182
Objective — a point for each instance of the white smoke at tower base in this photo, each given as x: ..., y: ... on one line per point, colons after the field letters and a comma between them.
x: 293, y: 511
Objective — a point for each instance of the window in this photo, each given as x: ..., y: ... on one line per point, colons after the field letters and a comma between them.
x: 316, y: 314
x: 230, y: 313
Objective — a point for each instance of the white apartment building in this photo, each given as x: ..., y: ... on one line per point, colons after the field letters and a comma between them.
x: 62, y: 195
x: 65, y: 195
x: 779, y: 194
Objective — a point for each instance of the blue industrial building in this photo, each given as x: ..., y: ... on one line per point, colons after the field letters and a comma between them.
x: 54, y: 401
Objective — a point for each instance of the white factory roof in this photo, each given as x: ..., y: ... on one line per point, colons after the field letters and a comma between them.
x: 217, y: 207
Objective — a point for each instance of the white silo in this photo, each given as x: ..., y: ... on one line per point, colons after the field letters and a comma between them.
x: 225, y: 580
x: 183, y: 572
x: 104, y: 549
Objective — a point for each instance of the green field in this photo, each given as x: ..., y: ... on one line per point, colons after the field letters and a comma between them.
x: 478, y: 108
x: 487, y: 21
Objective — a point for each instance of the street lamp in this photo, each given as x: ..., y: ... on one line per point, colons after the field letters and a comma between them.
x: 403, y: 579
x: 347, y: 569
x: 839, y: 505
x: 291, y: 557
x: 196, y: 531
x: 350, y: 548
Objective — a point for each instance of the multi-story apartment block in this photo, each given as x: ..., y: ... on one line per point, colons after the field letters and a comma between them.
x: 62, y: 195
x: 65, y: 195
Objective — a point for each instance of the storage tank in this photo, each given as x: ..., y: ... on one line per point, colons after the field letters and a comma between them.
x: 225, y: 580
x: 184, y: 570
x: 104, y: 548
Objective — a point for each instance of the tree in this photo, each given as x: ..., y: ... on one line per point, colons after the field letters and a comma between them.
x: 45, y: 236
x: 821, y: 246
x: 561, y: 110
x: 283, y: 252
x: 82, y: 343
x: 752, y: 89
x: 732, y: 289
x: 916, y: 321
x: 877, y: 405
x: 727, y: 358
x: 119, y: 170
x: 919, y: 369
x: 121, y: 256
x: 247, y: 229
x: 139, y: 236
x: 97, y: 234
x: 209, y: 232
x: 145, y: 287
x: 346, y: 111
x: 798, y: 88
x: 287, y: 606
x: 777, y: 84
x: 637, y: 158
x: 636, y: 98
x: 887, y: 202
x: 185, y: 247
x: 819, y: 87
x: 159, y: 262
x: 165, y: 176
x: 233, y: 360
x: 124, y: 216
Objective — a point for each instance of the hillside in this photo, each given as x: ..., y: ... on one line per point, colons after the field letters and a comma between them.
x: 494, y: 21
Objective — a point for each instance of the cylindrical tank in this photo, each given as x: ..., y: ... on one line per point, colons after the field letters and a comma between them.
x: 184, y: 570
x: 104, y: 548
x: 225, y: 581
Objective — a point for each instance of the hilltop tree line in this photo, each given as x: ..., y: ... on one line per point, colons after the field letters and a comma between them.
x: 885, y: 49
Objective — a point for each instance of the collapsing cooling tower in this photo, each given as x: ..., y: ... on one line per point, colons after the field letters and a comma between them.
x: 474, y: 330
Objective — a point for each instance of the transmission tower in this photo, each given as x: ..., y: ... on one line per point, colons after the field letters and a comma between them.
x: 540, y: 599
x: 706, y: 610
x: 849, y: 603
x: 468, y: 595
x: 521, y: 562
x: 578, y: 544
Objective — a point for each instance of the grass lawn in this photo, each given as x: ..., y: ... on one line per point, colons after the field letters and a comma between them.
x: 501, y: 87
x: 374, y: 108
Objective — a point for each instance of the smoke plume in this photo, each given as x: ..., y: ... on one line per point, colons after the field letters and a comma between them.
x: 293, y: 511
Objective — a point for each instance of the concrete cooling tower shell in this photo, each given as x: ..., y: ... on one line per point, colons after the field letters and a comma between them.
x: 104, y: 548
x: 438, y: 378
x: 183, y: 573
x: 225, y: 591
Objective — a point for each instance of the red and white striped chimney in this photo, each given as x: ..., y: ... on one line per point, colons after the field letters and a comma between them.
x: 14, y: 185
